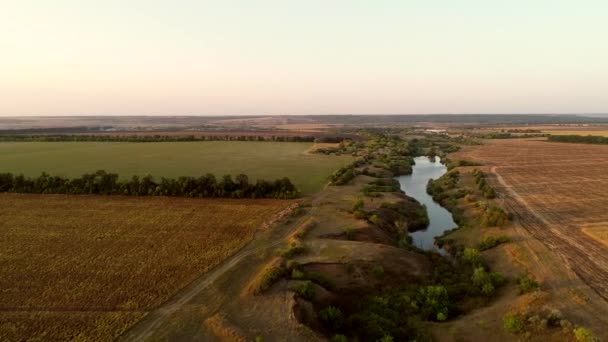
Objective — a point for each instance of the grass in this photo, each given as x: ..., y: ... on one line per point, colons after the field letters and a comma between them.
x: 94, y: 265
x: 265, y: 160
x: 266, y: 277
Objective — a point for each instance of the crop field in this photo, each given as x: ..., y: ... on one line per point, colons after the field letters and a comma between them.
x: 89, y: 267
x: 601, y: 133
x: 559, y: 193
x: 258, y: 160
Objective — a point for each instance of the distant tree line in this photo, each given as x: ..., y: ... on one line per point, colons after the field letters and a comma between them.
x: 583, y: 139
x: 104, y: 183
x: 507, y: 135
x: 166, y: 138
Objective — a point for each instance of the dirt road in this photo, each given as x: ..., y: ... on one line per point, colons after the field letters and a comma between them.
x: 154, y: 323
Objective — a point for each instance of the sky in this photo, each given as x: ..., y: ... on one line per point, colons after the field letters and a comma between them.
x: 146, y: 57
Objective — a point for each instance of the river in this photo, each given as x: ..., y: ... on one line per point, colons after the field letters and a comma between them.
x: 414, y: 186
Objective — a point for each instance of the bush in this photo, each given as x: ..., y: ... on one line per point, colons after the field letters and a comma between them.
x: 297, y: 274
x: 386, y: 338
x: 270, y: 274
x: 487, y: 282
x: 494, y: 217
x: 358, y: 205
x: 296, y: 247
x: 306, y: 290
x: 338, y: 338
x: 378, y: 271
x: 433, y: 302
x: 471, y: 256
x: 583, y: 335
x: 513, y: 323
x: 319, y: 279
x: 332, y: 317
x: 291, y: 265
x: 527, y: 284
x: 492, y: 241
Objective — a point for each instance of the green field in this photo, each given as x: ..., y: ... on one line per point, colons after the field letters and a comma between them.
x: 258, y: 160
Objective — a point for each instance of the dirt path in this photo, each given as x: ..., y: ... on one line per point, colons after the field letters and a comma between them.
x: 150, y: 326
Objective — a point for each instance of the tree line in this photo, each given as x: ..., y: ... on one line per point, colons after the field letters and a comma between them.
x: 162, y: 138
x: 105, y: 183
x: 583, y: 139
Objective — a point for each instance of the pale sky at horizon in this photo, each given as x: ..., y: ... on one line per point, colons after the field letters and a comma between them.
x: 136, y: 57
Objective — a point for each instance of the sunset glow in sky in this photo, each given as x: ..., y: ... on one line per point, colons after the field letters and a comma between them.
x: 136, y: 57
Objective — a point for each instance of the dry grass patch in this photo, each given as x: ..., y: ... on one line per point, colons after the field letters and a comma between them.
x: 224, y: 330
x: 266, y: 277
x: 598, y: 232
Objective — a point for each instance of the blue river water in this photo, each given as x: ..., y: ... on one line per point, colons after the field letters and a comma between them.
x: 414, y: 186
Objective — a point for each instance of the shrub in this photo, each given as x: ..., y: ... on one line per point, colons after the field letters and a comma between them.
x: 318, y: 278
x: 270, y: 274
x: 306, y: 290
x: 291, y: 265
x: 433, y: 301
x: 360, y: 214
x: 554, y: 318
x: 527, y: 284
x: 513, y: 323
x: 471, y: 256
x: 338, y: 338
x: 583, y: 335
x: 493, y: 217
x: 297, y: 274
x: 378, y: 271
x: 492, y: 241
x: 386, y: 338
x: 296, y: 247
x: 358, y: 205
x: 332, y: 317
x: 486, y: 282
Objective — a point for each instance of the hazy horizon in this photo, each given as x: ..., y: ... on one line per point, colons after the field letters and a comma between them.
x: 389, y: 57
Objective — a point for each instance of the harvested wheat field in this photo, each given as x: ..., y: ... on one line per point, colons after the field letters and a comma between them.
x: 558, y: 191
x: 89, y: 267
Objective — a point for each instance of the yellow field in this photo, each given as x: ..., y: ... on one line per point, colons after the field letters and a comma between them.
x: 602, y: 133
x: 88, y: 267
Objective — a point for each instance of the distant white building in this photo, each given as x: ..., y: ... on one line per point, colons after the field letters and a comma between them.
x: 436, y: 131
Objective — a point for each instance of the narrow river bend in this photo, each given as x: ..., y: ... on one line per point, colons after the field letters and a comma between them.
x: 414, y: 186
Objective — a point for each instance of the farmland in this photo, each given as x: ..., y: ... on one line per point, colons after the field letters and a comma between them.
x: 558, y: 193
x: 88, y: 267
x: 258, y: 160
x: 601, y: 133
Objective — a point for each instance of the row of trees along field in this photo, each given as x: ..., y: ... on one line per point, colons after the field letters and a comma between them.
x: 166, y: 138
x: 104, y: 183
x: 584, y: 139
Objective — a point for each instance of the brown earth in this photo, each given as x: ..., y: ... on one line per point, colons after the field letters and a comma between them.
x: 555, y: 191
